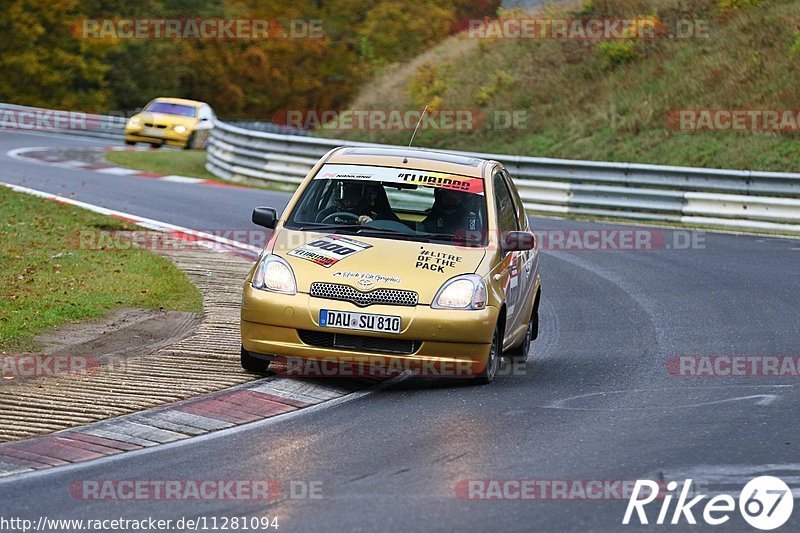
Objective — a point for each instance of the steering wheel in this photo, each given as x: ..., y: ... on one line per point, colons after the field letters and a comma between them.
x: 350, y: 217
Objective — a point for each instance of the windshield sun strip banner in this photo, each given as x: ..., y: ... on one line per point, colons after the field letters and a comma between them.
x: 424, y: 178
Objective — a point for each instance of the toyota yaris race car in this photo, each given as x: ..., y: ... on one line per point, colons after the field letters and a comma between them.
x: 395, y: 259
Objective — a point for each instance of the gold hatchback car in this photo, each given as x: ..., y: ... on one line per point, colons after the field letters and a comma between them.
x: 171, y: 121
x: 395, y: 260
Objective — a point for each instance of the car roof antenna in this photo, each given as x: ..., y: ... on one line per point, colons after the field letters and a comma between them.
x: 405, y: 159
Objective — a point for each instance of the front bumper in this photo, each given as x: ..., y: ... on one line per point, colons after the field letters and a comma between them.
x: 166, y: 136
x: 456, y: 342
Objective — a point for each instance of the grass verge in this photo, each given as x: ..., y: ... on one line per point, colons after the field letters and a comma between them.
x: 611, y: 100
x: 189, y: 163
x: 47, y: 280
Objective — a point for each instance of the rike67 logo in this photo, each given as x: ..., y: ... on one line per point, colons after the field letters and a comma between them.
x: 765, y: 503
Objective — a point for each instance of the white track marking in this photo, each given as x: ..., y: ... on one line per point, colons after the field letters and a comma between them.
x: 19, y: 155
x: 762, y: 399
x: 712, y: 480
x: 78, y: 138
x: 181, y: 179
x: 118, y: 171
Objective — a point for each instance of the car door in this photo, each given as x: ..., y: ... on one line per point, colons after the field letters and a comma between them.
x: 529, y: 260
x: 512, y: 262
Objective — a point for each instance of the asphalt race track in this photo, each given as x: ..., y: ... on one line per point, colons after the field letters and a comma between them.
x: 595, y: 402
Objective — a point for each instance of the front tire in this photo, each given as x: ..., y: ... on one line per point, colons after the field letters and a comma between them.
x: 190, y: 142
x: 493, y: 361
x: 253, y: 364
x: 520, y: 353
x: 130, y: 143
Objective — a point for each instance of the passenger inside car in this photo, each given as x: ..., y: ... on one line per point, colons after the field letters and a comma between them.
x: 454, y: 212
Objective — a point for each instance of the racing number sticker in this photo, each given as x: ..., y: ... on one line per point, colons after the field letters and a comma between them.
x: 329, y: 250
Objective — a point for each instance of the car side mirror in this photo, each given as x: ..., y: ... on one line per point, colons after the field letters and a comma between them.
x: 266, y: 217
x: 518, y: 241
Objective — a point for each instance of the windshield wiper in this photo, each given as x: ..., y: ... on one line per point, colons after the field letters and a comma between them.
x: 452, y: 237
x: 421, y: 236
x: 349, y: 227
x: 387, y: 232
x: 356, y: 229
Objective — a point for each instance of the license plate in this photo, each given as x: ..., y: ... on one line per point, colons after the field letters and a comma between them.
x: 359, y: 321
x: 153, y: 132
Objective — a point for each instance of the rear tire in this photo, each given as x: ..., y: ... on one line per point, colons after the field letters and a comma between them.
x: 253, y: 364
x: 493, y: 362
x: 155, y: 146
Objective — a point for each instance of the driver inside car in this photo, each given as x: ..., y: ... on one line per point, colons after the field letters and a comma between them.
x: 352, y: 201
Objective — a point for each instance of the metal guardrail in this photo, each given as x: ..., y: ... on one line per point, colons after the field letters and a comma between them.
x: 34, y: 119
x: 268, y: 127
x: 737, y: 199
x: 746, y: 200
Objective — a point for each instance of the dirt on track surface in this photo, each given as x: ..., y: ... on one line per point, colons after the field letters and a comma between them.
x: 134, y: 359
x: 124, y: 334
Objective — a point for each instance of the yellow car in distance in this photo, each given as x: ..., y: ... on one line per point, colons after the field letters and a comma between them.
x: 171, y: 121
x: 394, y: 260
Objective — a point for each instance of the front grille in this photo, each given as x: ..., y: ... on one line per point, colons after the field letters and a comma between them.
x: 159, y: 126
x: 346, y: 293
x: 358, y: 343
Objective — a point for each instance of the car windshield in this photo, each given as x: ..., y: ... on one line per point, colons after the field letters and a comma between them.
x: 172, y: 109
x: 393, y: 203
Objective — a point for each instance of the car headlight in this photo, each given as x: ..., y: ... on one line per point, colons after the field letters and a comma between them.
x: 133, y: 122
x: 461, y: 292
x: 180, y: 129
x: 274, y: 274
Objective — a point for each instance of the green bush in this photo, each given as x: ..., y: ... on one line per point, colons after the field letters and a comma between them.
x: 737, y: 4
x: 613, y: 53
x: 485, y: 93
x: 428, y: 85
